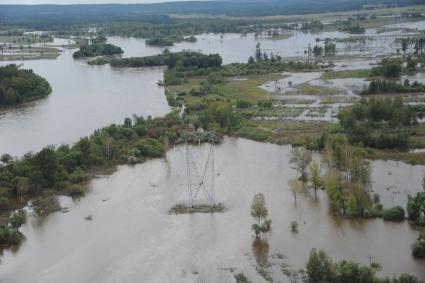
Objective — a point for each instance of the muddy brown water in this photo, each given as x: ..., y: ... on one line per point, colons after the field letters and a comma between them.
x: 132, y: 238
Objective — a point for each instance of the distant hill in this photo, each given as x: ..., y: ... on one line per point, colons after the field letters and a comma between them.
x: 45, y: 15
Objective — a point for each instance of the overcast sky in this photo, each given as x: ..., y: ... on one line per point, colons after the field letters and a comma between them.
x: 81, y: 1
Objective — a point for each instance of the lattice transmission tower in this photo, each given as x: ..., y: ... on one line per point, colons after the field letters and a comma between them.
x: 200, y: 176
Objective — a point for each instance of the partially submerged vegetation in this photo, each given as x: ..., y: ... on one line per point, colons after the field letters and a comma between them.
x: 98, y: 47
x: 321, y: 268
x: 21, y: 85
x: 199, y: 208
x: 379, y: 123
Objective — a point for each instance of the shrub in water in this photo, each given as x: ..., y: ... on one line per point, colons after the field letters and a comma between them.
x: 393, y: 214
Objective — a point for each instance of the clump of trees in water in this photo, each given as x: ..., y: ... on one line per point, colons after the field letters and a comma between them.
x: 348, y: 179
x: 389, y: 68
x: 418, y: 247
x: 184, y: 59
x: 348, y: 26
x: 169, y: 40
x: 20, y: 85
x: 383, y: 86
x: 9, y: 226
x: 379, y: 123
x: 98, y: 47
x: 416, y: 208
x: 321, y: 268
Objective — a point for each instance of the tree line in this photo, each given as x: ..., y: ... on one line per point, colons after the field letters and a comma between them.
x: 384, y: 86
x: 379, y: 123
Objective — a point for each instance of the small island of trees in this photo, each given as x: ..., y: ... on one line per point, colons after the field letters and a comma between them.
x: 21, y: 85
x: 98, y: 47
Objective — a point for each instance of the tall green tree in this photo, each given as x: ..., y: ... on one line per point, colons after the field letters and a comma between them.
x: 260, y: 213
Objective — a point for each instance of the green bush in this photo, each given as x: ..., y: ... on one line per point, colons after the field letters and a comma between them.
x: 406, y: 278
x: 416, y: 208
x: 4, y: 204
x: 78, y: 176
x: 150, y: 148
x: 418, y: 248
x: 16, y: 220
x: 75, y: 190
x: 9, y: 237
x: 353, y: 272
x: 393, y: 214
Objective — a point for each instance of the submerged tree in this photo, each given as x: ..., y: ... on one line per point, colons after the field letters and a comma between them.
x: 315, y: 179
x: 260, y: 213
x: 300, y: 160
x: 294, y: 185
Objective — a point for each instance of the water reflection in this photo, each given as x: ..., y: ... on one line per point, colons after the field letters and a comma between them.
x: 260, y: 250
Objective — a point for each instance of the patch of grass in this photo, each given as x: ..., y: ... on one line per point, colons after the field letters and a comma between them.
x: 306, y: 88
x: 414, y: 158
x: 281, y: 113
x: 248, y: 89
x: 338, y: 99
x: 285, y: 132
x: 345, y: 74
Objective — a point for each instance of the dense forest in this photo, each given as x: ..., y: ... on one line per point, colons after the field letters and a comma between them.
x: 56, y: 15
x: 21, y: 85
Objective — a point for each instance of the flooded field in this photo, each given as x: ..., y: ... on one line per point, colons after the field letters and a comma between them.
x: 320, y: 99
x: 238, y: 48
x: 131, y: 236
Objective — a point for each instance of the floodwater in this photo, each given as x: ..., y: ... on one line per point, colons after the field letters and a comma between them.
x: 132, y: 238
x: 420, y: 25
x: 84, y: 98
x: 237, y: 48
